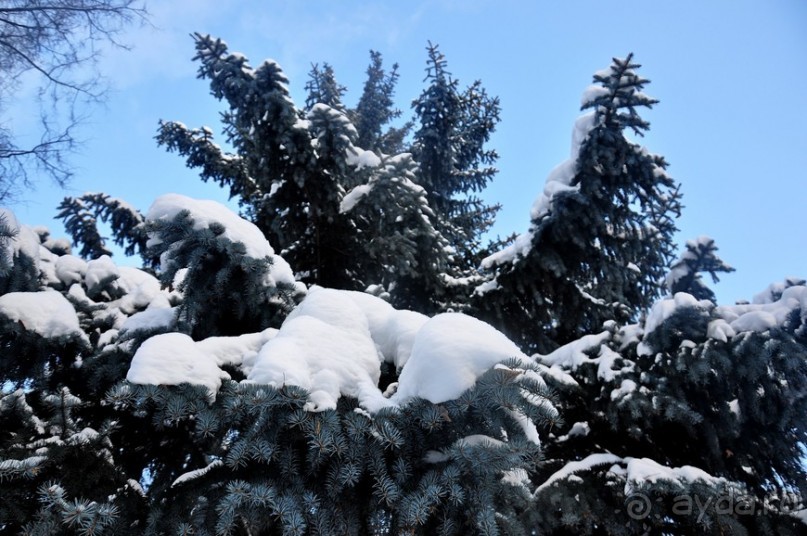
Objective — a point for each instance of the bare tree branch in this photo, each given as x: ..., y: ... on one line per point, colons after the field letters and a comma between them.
x: 58, y: 44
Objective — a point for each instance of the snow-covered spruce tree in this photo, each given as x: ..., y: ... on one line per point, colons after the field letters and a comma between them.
x: 700, y: 256
x: 352, y: 418
x: 690, y: 423
x: 273, y: 154
x: 61, y: 469
x: 441, y: 455
x: 81, y: 214
x: 288, y: 172
x: 376, y: 110
x: 231, y: 283
x: 600, y: 237
x: 452, y: 128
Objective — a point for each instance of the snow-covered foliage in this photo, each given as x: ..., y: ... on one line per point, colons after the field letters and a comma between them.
x: 600, y: 234
x: 344, y: 372
x: 213, y: 392
x: 47, y: 314
x: 700, y: 256
x: 232, y: 280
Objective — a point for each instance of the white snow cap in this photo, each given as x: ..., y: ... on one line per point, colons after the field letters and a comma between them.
x: 325, y: 347
x: 70, y: 269
x: 333, y: 344
x: 769, y: 313
x: 172, y: 359
x: 48, y: 313
x: 451, y: 351
x: 100, y: 271
x: 237, y: 229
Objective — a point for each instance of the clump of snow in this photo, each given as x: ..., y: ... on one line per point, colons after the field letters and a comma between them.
x: 150, y: 319
x: 48, y: 313
x: 581, y: 429
x: 393, y: 330
x: 576, y: 353
x: 361, y: 158
x: 47, y: 266
x: 720, y: 330
x: 766, y: 314
x: 353, y: 197
x: 754, y: 321
x: 240, y: 351
x: 734, y: 407
x: 100, y: 272
x: 173, y: 359
x: 627, y: 335
x: 775, y: 290
x: 644, y: 470
x: 625, y: 389
x: 58, y: 244
x: 450, y: 352
x: 141, y: 290
x: 664, y: 309
x: 327, y: 351
x: 205, y: 213
x: 196, y: 473
x: 70, y: 269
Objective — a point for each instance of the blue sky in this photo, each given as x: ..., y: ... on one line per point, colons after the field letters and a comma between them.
x: 730, y: 75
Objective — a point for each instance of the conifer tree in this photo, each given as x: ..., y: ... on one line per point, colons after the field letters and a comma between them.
x: 600, y: 237
x: 689, y: 423
x: 700, y: 256
x: 186, y: 445
x: 376, y: 110
x: 323, y: 88
x: 452, y: 128
x: 286, y: 171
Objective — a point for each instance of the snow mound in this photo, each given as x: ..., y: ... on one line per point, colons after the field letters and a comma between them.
x: 450, y: 352
x: 153, y: 318
x: 333, y: 344
x: 48, y: 313
x: 768, y: 312
x: 141, y: 289
x: 100, y: 272
x: 70, y: 269
x: 240, y: 351
x: 325, y: 347
x: 323, y: 359
x: 393, y: 330
x: 172, y: 359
